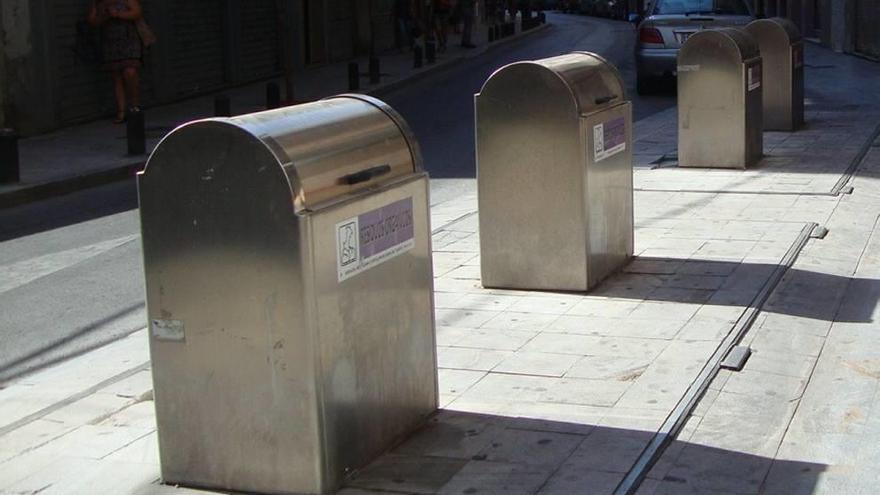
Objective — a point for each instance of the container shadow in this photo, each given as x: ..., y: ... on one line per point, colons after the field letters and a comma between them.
x: 468, y: 453
x: 800, y: 292
x: 65, y: 347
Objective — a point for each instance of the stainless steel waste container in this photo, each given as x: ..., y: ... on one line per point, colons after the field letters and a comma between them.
x: 289, y: 295
x: 719, y: 100
x: 554, y: 173
x: 782, y: 52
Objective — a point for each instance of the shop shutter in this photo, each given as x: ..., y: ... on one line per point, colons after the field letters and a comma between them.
x: 259, y: 40
x: 868, y: 28
x: 196, y: 55
x: 341, y: 29
x: 383, y: 25
x: 83, y: 90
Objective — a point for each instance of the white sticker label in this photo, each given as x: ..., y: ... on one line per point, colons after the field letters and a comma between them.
x: 683, y: 36
x: 754, y: 73
x: 171, y: 330
x: 609, y: 138
x: 688, y: 68
x: 373, y: 238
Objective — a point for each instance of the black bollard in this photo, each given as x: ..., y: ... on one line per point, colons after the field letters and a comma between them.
x: 430, y: 52
x: 273, y: 95
x: 543, y: 17
x: 354, y: 77
x: 375, y: 75
x: 417, y: 57
x: 222, y: 106
x: 135, y: 132
x: 8, y: 156
x: 491, y: 34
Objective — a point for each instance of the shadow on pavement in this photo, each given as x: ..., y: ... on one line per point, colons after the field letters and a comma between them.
x: 74, y: 208
x: 468, y: 453
x: 64, y: 348
x: 801, y: 293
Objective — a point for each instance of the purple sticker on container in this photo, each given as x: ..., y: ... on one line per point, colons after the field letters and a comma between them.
x: 374, y: 237
x: 609, y: 138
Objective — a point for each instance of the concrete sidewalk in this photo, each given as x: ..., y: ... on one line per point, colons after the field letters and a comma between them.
x: 618, y: 389
x: 95, y: 153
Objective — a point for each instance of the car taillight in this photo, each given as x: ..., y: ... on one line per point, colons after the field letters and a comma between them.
x: 650, y: 35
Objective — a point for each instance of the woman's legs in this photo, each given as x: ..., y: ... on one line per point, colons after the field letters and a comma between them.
x: 132, y: 85
x: 119, y: 91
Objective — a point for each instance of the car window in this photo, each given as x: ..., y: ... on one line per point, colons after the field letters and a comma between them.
x: 723, y: 7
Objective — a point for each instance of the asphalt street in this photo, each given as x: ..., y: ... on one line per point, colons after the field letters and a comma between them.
x: 71, y: 266
x: 440, y: 109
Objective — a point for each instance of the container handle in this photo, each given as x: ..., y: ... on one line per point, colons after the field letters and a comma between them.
x: 605, y: 99
x: 364, y: 175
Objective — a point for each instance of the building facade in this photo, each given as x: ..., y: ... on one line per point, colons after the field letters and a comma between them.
x: 851, y: 26
x: 50, y: 76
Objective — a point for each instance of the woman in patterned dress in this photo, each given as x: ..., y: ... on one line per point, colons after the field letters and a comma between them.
x: 121, y: 48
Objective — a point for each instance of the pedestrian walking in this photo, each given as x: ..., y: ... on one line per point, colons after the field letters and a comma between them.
x: 442, y: 12
x: 403, y: 23
x: 455, y: 18
x: 122, y: 49
x: 467, y: 19
x: 507, y: 10
x: 525, y: 7
x: 490, y: 12
x: 420, y: 22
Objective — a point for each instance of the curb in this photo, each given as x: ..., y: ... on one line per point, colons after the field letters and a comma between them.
x: 67, y: 185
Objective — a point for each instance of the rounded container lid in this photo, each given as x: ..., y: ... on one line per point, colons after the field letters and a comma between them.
x: 326, y: 149
x: 777, y: 24
x: 737, y: 39
x: 593, y: 82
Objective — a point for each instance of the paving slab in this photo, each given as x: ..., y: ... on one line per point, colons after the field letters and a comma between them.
x: 533, y: 384
x: 801, y: 413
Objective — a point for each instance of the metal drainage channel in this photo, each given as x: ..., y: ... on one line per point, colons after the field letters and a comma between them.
x: 676, y: 419
x: 450, y: 223
x: 839, y: 188
x: 73, y: 398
